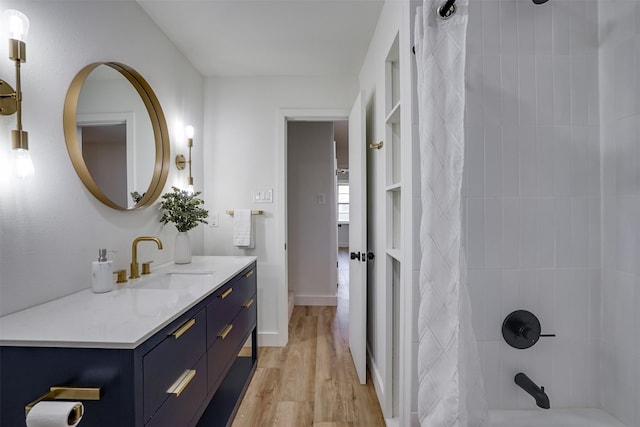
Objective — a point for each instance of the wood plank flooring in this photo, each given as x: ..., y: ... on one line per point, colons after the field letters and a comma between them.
x: 312, y: 381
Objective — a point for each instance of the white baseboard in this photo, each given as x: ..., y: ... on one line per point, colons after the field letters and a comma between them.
x: 271, y: 339
x: 376, y: 378
x: 321, y: 300
x: 415, y: 421
x: 392, y: 422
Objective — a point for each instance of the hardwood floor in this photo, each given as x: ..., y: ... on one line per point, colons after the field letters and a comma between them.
x: 312, y: 381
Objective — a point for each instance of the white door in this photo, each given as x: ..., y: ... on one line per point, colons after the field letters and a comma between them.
x: 358, y: 238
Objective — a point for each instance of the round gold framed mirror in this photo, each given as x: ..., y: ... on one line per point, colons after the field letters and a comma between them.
x: 116, y: 135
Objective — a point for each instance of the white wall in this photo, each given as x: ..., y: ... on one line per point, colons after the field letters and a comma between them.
x: 343, y: 236
x: 242, y: 154
x: 341, y: 136
x: 311, y: 213
x: 50, y: 225
x: 532, y: 193
x: 620, y: 132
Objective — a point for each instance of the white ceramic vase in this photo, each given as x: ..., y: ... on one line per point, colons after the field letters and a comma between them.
x: 182, y: 250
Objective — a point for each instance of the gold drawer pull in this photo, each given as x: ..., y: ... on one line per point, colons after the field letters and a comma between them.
x: 249, y: 274
x: 226, y: 293
x: 225, y: 331
x: 248, y: 303
x: 184, y: 328
x: 181, y: 383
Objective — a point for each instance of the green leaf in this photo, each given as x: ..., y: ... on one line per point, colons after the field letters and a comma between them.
x: 182, y: 209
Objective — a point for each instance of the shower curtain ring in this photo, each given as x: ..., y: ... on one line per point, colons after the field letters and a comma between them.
x: 447, y: 10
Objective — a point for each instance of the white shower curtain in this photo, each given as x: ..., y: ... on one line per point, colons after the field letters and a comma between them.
x: 450, y: 389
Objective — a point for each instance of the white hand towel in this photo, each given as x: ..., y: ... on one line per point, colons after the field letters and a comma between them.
x: 243, y: 229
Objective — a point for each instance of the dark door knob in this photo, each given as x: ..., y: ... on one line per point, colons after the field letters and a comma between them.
x: 370, y: 255
x: 355, y: 255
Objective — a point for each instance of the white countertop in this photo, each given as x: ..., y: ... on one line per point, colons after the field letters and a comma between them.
x: 123, y: 318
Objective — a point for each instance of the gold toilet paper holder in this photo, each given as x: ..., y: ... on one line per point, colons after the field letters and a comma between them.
x: 68, y: 393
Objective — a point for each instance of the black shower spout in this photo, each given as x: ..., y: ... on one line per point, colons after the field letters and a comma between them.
x: 542, y: 400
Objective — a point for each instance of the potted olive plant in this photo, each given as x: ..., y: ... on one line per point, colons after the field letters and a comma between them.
x: 184, y: 211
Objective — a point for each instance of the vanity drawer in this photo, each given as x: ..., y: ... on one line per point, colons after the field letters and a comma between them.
x: 228, y: 301
x: 180, y: 406
x: 226, y: 347
x: 179, y: 351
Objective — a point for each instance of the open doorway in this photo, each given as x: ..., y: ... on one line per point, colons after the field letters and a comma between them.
x: 104, y: 150
x: 317, y: 211
x: 357, y: 131
x: 341, y: 138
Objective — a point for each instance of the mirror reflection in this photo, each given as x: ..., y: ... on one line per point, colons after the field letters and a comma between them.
x: 115, y: 135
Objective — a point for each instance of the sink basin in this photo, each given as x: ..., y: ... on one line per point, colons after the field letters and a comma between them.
x: 175, y: 281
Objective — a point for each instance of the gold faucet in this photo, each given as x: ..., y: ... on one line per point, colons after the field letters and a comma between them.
x: 134, y: 253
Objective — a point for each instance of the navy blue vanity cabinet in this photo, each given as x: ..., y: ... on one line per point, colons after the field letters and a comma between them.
x: 231, y: 321
x: 189, y: 373
x: 180, y: 410
x: 172, y: 364
x: 26, y: 373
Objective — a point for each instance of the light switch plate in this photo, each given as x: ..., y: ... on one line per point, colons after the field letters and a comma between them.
x: 263, y: 195
x: 213, y: 220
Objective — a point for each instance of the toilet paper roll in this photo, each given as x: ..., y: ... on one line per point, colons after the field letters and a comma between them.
x: 55, y: 414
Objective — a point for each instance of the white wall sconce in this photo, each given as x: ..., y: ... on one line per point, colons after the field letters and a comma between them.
x: 181, y: 162
x: 10, y: 99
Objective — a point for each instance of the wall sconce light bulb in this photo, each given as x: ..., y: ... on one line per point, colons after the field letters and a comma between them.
x: 189, y: 131
x: 22, y: 163
x: 17, y: 23
x: 189, y: 188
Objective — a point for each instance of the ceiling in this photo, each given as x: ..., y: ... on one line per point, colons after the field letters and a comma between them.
x: 269, y: 37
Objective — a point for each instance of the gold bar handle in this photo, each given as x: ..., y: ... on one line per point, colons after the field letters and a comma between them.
x: 181, y: 383
x: 250, y: 273
x: 184, y: 328
x: 253, y: 212
x: 225, y: 331
x: 376, y: 146
x: 248, y: 303
x: 77, y: 393
x: 226, y: 293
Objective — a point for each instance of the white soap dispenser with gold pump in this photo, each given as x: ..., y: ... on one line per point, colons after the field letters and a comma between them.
x: 102, y: 273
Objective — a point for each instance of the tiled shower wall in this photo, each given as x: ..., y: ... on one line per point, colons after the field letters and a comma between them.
x: 532, y: 193
x: 620, y: 111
